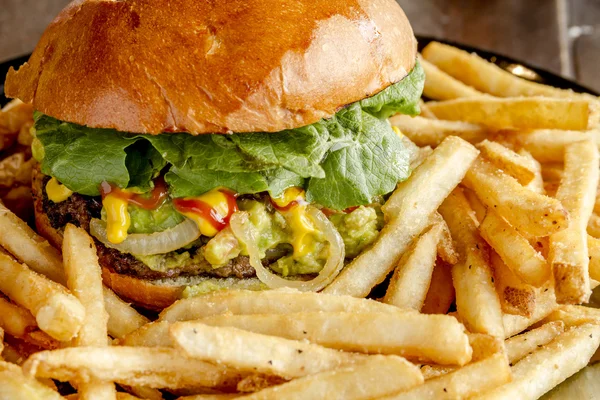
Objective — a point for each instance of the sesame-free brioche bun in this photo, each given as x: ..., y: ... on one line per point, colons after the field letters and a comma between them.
x: 152, y: 66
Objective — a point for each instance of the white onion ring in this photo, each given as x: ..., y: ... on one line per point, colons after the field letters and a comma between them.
x: 245, y: 232
x: 142, y: 244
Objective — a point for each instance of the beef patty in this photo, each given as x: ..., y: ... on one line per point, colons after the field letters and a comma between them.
x: 79, y: 210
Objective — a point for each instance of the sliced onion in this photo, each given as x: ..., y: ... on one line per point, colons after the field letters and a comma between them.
x: 245, y: 232
x: 142, y: 244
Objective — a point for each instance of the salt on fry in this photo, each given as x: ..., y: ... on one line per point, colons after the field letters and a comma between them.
x: 411, y: 279
x: 476, y: 299
x: 568, y: 253
x: 528, y: 212
x: 84, y: 278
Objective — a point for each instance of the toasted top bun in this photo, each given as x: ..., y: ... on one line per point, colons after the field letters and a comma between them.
x: 152, y: 66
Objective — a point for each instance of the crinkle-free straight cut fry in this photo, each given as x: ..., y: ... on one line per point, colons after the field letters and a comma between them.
x: 521, y: 112
x: 447, y: 342
x: 84, y: 278
x: 431, y: 132
x: 441, y: 86
x: 486, y: 76
x: 568, y: 248
x: 251, y: 351
x: 477, y: 302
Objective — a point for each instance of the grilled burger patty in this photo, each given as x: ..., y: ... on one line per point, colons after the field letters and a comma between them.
x: 79, y: 210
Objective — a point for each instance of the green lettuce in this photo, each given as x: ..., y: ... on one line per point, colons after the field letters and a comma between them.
x: 343, y: 161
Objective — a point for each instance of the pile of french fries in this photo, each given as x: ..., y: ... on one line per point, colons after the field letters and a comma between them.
x: 489, y: 249
x: 16, y: 164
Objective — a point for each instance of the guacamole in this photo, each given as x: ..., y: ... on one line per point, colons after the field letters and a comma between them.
x: 358, y: 228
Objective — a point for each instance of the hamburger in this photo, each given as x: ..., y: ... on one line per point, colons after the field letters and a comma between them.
x: 211, y: 145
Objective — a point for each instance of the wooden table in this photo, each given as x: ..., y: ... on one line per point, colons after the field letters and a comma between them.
x: 562, y: 36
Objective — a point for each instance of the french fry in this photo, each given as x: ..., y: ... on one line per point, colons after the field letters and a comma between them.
x: 411, y: 279
x: 516, y: 297
x: 483, y: 346
x: 14, y: 115
x: 520, y: 112
x: 441, y: 291
x: 372, y: 378
x: 548, y: 145
x: 431, y: 132
x: 594, y: 255
x: 537, y: 183
x: 15, y: 320
x: 518, y: 347
x: 547, y: 367
x: 249, y: 351
x: 399, y: 334
x: 574, y: 315
x: 441, y: 86
x: 486, y: 76
x: 122, y: 318
x: 415, y: 200
x: 425, y: 111
x: 593, y: 226
x: 476, y: 204
x: 57, y: 312
x: 15, y: 385
x: 21, y: 241
x: 568, y: 253
x: 519, y: 167
x: 153, y: 334
x: 280, y: 301
x: 514, y: 249
x: 446, y: 249
x: 545, y: 303
x: 528, y: 212
x: 139, y: 366
x: 462, y: 383
x: 84, y: 278
x: 477, y: 302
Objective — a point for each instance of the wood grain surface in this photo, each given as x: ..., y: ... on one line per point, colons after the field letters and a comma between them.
x: 562, y: 36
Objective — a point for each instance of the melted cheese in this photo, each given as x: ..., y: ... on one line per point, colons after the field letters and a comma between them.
x: 56, y: 191
x: 291, y: 194
x: 302, y: 230
x: 397, y: 131
x: 117, y: 218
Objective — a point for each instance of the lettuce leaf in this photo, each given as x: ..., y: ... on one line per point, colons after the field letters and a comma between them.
x: 343, y: 161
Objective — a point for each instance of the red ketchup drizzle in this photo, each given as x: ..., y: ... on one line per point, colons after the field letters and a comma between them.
x: 157, y: 196
x: 207, y: 212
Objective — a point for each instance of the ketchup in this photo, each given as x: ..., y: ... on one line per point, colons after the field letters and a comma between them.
x: 206, y: 211
x: 157, y: 195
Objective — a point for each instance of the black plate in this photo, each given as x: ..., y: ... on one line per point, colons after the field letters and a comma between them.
x: 513, y: 66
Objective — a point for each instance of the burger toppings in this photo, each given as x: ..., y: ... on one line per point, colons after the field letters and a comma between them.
x: 56, y: 191
x: 211, y: 211
x: 177, y: 200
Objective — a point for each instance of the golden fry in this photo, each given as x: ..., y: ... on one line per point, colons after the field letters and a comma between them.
x: 431, y: 132
x: 477, y: 302
x: 528, y: 212
x: 568, y: 253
